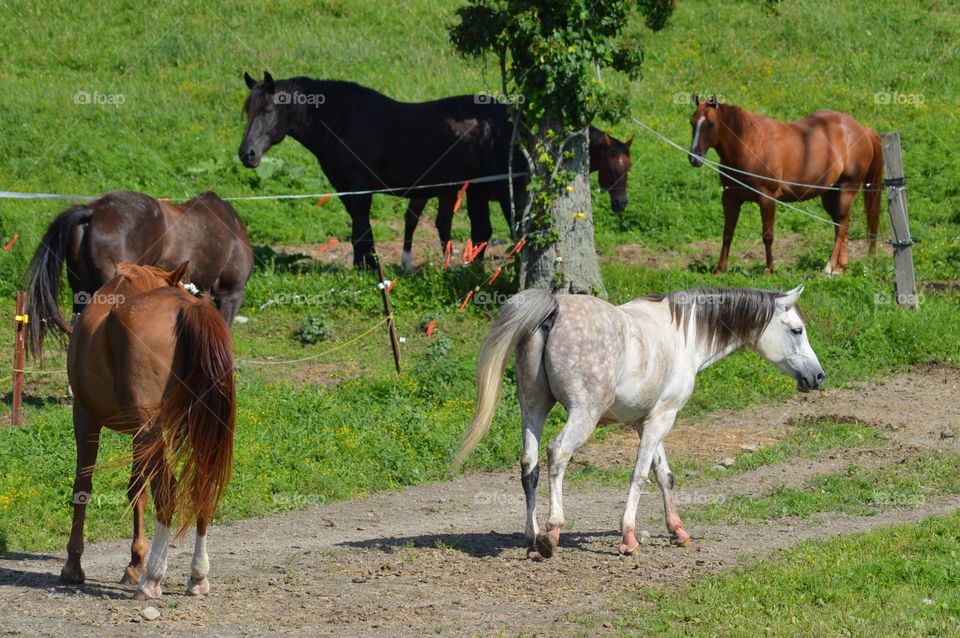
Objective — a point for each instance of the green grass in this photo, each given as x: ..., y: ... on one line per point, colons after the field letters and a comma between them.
x: 858, y: 491
x: 359, y: 428
x: 899, y: 581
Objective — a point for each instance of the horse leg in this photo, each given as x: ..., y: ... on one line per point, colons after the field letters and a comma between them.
x: 731, y: 214
x: 536, y: 400
x: 362, y: 234
x: 678, y: 536
x: 651, y: 437
x: 137, y: 493
x: 768, y: 212
x: 481, y: 230
x: 845, y: 204
x: 164, y: 486
x: 411, y: 219
x: 197, y: 583
x: 445, y: 213
x: 86, y: 433
x: 580, y: 425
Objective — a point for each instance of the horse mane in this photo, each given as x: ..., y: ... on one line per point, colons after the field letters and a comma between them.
x: 596, y: 140
x: 735, y: 118
x: 142, y: 277
x: 724, y: 316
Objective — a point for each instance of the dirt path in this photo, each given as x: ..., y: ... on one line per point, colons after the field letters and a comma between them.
x: 448, y: 558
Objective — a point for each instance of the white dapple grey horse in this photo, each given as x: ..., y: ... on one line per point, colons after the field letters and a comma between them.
x: 634, y: 364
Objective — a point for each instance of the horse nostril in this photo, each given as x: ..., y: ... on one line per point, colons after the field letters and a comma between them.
x: 820, y: 377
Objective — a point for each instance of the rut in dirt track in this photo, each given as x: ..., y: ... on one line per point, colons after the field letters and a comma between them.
x: 449, y: 557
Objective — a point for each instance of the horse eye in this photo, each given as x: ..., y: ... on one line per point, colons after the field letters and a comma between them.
x: 796, y: 331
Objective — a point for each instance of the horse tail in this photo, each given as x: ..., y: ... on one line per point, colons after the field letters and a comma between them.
x: 197, y: 415
x: 521, y: 316
x: 43, y: 278
x: 871, y: 194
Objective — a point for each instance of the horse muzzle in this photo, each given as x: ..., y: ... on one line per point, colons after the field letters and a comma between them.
x: 696, y: 159
x: 618, y: 204
x: 806, y: 383
x: 249, y: 157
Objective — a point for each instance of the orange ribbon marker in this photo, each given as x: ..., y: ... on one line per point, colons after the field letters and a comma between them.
x: 430, y: 327
x: 463, y: 191
x: 466, y: 300
x: 11, y: 243
x: 333, y: 242
x: 323, y: 200
x: 447, y: 252
x: 494, y: 276
x: 519, y: 246
x: 390, y: 285
x: 165, y: 200
x: 468, y: 252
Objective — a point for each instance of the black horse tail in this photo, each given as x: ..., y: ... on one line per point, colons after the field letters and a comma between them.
x: 43, y: 278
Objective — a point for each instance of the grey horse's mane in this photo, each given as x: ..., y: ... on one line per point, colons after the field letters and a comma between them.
x: 724, y: 316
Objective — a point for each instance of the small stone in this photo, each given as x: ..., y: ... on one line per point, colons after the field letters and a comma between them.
x: 947, y: 434
x: 727, y: 462
x: 718, y: 467
x: 749, y: 447
x: 690, y: 473
x: 240, y: 319
x: 644, y: 537
x: 149, y: 613
x: 928, y: 601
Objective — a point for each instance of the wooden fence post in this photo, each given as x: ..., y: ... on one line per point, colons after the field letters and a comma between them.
x: 19, y: 351
x: 905, y: 290
x: 388, y: 309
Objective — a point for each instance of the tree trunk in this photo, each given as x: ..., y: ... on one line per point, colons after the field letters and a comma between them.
x: 560, y: 254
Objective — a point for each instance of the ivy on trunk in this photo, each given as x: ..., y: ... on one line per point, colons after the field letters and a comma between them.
x: 550, y: 53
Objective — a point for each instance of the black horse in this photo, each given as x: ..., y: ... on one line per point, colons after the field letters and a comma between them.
x: 367, y: 141
x: 132, y: 227
x: 608, y: 156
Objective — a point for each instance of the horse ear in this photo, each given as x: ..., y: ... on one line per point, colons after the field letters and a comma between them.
x: 713, y: 101
x: 249, y: 80
x: 789, y: 299
x: 628, y: 143
x: 178, y: 275
x: 606, y: 140
x: 696, y: 99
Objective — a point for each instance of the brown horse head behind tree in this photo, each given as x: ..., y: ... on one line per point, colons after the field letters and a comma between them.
x: 149, y: 359
x: 826, y: 154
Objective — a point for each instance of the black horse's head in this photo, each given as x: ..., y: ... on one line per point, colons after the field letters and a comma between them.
x: 613, y: 166
x: 704, y: 124
x: 268, y: 119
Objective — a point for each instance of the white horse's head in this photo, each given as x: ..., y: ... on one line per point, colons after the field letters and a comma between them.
x: 784, y: 343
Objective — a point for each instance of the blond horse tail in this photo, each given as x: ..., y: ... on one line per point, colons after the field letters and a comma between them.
x: 520, y: 317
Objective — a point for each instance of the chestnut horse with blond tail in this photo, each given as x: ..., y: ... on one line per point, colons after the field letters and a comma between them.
x: 826, y: 154
x: 149, y: 359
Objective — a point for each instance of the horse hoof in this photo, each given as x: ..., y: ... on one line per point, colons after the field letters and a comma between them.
x: 630, y: 551
x: 545, y: 544
x: 195, y: 588
x: 533, y: 554
x: 681, y: 542
x: 131, y: 576
x: 70, y: 576
x: 148, y: 591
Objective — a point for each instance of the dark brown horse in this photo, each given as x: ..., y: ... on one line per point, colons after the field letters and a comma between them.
x: 608, y: 156
x: 147, y: 358
x: 825, y: 154
x: 93, y: 238
x: 366, y: 141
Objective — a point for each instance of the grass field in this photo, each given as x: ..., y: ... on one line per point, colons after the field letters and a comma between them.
x: 119, y: 95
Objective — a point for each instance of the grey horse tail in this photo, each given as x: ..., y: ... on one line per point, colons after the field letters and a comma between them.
x: 521, y: 316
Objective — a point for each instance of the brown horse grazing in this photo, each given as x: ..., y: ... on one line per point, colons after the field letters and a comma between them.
x: 608, y: 156
x: 93, y: 238
x: 147, y: 358
x: 825, y: 154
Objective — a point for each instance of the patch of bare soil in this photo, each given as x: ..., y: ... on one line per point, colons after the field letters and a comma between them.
x: 448, y: 558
